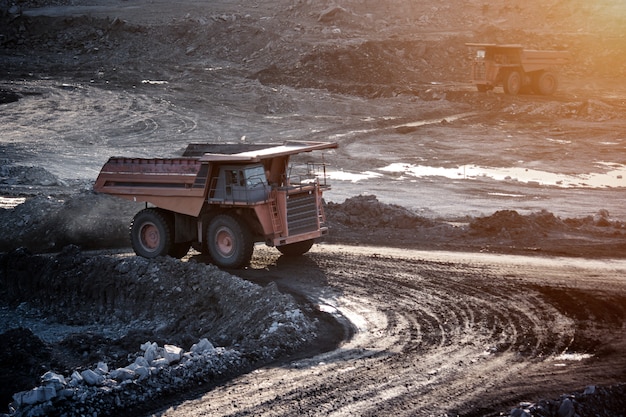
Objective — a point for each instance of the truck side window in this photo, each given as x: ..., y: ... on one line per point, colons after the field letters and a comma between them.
x: 255, y: 177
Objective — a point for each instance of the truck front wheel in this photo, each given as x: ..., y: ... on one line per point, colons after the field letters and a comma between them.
x: 296, y: 249
x: 229, y: 242
x: 150, y: 233
x: 512, y: 83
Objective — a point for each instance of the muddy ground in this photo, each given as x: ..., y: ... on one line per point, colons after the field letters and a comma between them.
x: 424, y: 162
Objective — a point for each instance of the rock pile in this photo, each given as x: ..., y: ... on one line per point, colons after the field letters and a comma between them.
x: 368, y: 211
x: 47, y: 223
x: 593, y: 401
x: 12, y: 175
x: 180, y: 306
x: 100, y: 391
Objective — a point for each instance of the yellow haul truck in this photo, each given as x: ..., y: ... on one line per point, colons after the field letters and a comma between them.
x: 516, y: 69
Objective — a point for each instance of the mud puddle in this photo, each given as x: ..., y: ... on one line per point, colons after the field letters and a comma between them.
x: 609, y: 179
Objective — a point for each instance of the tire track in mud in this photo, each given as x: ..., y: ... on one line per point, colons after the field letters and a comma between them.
x: 82, y: 125
x: 429, y: 337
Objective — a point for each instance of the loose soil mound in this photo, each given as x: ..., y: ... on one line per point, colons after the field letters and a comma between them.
x: 365, y: 220
x: 107, y: 306
x: 93, y: 221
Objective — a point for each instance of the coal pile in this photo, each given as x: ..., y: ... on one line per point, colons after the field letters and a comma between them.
x: 134, y: 329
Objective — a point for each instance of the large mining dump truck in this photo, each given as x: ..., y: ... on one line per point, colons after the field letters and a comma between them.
x: 516, y: 69
x: 221, y: 199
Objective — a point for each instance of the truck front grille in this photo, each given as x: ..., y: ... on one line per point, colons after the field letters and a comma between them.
x: 480, y: 72
x: 302, y: 212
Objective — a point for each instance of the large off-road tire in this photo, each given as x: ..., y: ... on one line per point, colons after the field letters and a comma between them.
x: 545, y: 83
x: 151, y: 233
x: 296, y: 249
x: 229, y: 242
x: 512, y: 82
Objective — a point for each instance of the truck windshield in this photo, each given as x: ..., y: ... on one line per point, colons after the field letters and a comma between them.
x: 255, y: 176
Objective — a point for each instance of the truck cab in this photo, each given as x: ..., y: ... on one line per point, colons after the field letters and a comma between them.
x: 241, y: 184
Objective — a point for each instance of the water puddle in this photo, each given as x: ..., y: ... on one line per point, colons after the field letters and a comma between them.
x: 571, y: 357
x: 11, y: 202
x: 351, y: 176
x: 411, y: 125
x: 447, y: 119
x: 613, y: 176
x: 154, y: 82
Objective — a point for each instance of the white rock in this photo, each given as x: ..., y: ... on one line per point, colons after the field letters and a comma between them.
x: 35, y: 396
x: 173, y: 353
x: 92, y: 377
x: 102, y: 368
x: 160, y: 363
x: 566, y: 408
x: 141, y: 361
x: 518, y: 412
x: 123, y: 374
x: 54, y: 380
x: 145, y: 346
x: 150, y: 352
x: 202, y: 346
x: 140, y: 367
x: 65, y: 393
x: 76, y: 379
x: 143, y: 372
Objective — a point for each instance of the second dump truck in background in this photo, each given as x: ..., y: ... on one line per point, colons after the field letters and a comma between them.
x: 516, y: 69
x: 222, y: 199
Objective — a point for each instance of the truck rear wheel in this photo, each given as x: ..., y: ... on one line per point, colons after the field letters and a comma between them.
x: 151, y: 234
x: 296, y: 249
x: 512, y: 83
x: 229, y: 242
x: 545, y: 83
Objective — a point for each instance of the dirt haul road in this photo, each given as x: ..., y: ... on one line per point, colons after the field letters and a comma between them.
x: 425, y: 333
x: 438, y: 334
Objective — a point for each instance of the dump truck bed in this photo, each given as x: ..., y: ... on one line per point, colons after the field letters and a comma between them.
x: 530, y: 59
x: 533, y: 60
x: 180, y: 184
x: 173, y: 183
